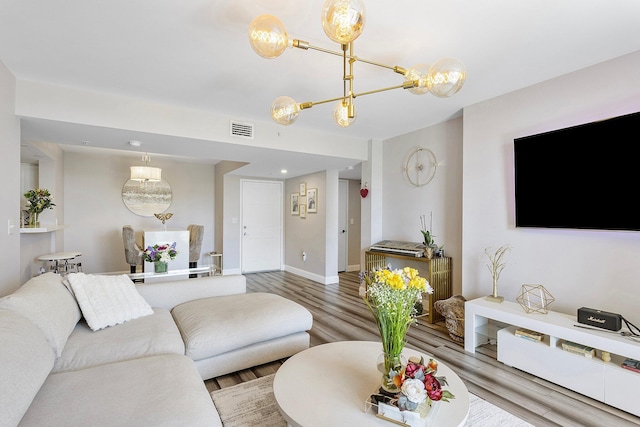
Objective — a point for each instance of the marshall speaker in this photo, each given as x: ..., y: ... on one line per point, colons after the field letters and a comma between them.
x: 600, y: 319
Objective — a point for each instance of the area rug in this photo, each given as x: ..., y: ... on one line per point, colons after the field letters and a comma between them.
x: 252, y: 404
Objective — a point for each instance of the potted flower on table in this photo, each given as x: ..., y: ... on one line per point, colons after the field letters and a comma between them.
x: 160, y: 255
x: 409, y: 387
x: 391, y: 296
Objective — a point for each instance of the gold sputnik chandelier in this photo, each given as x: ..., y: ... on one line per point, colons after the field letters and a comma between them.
x: 343, y: 21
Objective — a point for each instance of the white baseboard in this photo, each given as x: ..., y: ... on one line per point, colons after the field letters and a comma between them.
x: 355, y: 267
x: 312, y: 276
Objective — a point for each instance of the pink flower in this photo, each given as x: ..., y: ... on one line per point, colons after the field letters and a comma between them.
x: 432, y: 385
x: 412, y: 368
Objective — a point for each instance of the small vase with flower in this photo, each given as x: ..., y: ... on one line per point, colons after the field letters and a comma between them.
x: 160, y: 255
x: 38, y: 200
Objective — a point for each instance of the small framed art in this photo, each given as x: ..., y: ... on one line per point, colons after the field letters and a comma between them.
x: 303, y: 211
x: 295, y: 205
x: 303, y: 189
x: 312, y: 200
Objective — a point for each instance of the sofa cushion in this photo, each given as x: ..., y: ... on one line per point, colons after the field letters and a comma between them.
x: 26, y: 358
x: 107, y: 300
x: 163, y: 390
x: 145, y: 336
x: 212, y: 326
x: 49, y: 305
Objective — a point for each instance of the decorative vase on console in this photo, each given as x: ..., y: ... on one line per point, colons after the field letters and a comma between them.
x: 430, y: 246
x: 160, y: 267
x: 391, y: 295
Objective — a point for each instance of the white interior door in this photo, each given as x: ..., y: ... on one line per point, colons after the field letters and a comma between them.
x: 261, y: 226
x: 343, y: 227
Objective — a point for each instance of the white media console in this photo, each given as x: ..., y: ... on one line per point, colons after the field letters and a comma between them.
x: 593, y: 377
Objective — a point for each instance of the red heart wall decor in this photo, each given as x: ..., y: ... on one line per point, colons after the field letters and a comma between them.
x: 364, y: 192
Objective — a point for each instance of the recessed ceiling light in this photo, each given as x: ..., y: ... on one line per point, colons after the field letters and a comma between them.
x: 283, y: 171
x: 135, y: 143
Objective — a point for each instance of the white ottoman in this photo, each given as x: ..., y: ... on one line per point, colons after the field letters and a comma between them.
x: 230, y: 333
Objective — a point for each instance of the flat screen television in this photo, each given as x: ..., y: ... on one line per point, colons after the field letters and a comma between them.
x: 582, y: 177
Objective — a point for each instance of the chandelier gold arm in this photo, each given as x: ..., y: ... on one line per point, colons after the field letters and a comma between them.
x: 406, y: 85
x: 305, y: 45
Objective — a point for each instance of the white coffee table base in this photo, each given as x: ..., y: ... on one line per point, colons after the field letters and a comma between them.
x: 327, y: 385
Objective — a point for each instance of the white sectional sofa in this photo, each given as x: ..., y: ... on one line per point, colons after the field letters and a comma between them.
x: 55, y: 370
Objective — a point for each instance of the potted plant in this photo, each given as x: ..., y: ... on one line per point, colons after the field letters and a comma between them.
x: 429, y: 243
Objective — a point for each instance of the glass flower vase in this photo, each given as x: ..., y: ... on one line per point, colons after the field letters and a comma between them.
x: 390, y: 365
x: 160, y: 267
x: 33, y: 220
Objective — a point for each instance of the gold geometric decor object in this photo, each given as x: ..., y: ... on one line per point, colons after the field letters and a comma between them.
x: 535, y: 299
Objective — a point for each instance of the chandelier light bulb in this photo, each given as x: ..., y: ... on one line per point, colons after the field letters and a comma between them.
x: 343, y: 20
x: 418, y: 72
x: 285, y: 110
x: 341, y: 114
x: 268, y: 36
x: 446, y: 77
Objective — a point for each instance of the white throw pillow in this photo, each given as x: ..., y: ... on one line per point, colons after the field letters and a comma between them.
x: 107, y: 300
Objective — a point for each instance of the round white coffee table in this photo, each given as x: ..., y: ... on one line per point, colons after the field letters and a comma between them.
x: 327, y: 385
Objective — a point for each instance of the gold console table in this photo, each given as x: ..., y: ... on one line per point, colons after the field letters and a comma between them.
x: 438, y: 274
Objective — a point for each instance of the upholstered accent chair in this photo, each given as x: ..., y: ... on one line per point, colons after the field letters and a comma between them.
x: 132, y: 251
x: 196, y: 232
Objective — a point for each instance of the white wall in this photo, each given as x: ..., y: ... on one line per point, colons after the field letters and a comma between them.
x: 10, y: 177
x: 598, y: 269
x: 403, y: 203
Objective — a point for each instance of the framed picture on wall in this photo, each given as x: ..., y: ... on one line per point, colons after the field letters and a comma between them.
x: 312, y: 200
x: 303, y: 188
x: 303, y: 211
x: 295, y: 205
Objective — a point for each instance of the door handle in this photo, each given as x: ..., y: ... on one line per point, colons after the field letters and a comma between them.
x: 344, y: 231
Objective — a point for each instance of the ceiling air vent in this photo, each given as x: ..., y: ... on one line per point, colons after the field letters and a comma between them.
x: 243, y: 130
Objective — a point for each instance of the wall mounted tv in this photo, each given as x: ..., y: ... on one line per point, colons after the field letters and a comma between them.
x: 582, y: 177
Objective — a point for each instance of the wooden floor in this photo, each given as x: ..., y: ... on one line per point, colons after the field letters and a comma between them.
x: 339, y: 314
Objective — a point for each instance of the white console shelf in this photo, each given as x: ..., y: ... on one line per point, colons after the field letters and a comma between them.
x: 603, y: 381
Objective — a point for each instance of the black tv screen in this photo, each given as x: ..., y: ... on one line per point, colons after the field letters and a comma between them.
x: 582, y: 177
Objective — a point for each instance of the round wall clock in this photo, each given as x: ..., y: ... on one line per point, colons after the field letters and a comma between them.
x: 421, y: 167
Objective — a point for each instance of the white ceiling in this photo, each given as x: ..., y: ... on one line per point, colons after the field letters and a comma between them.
x: 195, y: 53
